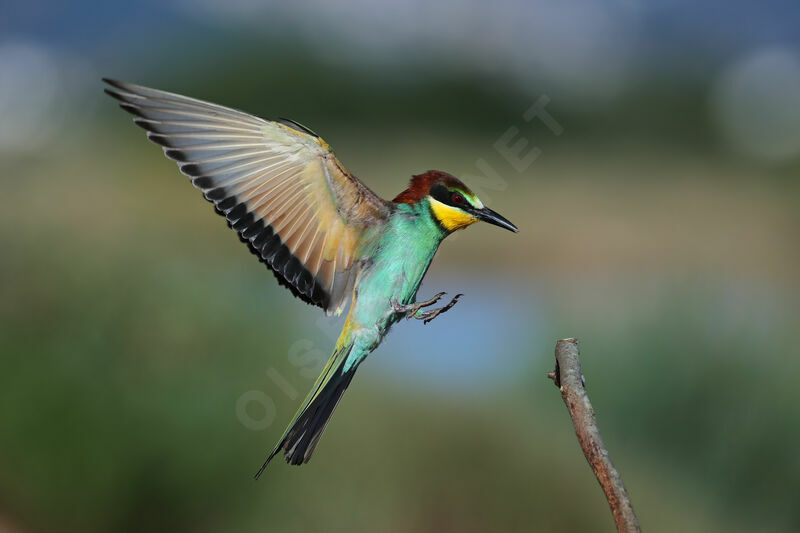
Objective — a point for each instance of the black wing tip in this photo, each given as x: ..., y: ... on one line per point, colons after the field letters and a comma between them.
x: 192, y: 169
x: 265, y: 246
x: 145, y: 124
x: 159, y: 139
x: 125, y: 100
x: 114, y: 94
x: 126, y: 90
x: 177, y: 155
x: 116, y: 88
x: 118, y: 84
x: 201, y: 182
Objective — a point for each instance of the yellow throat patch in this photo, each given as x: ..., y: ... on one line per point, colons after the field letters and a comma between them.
x: 450, y: 218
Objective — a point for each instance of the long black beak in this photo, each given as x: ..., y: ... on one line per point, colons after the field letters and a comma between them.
x: 487, y: 215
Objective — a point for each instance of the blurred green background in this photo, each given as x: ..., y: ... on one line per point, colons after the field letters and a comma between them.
x: 148, y: 362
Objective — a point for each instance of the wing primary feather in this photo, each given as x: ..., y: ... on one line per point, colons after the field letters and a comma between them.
x: 299, y: 221
x: 179, y: 155
x: 229, y: 166
x: 275, y: 195
x: 158, y: 96
x: 290, y: 210
x: 301, y: 248
x: 237, y: 179
x: 270, y: 181
x: 266, y: 180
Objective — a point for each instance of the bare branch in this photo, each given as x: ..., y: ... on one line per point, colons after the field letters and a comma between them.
x: 568, y: 377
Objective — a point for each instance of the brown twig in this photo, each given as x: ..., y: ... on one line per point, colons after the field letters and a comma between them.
x: 568, y: 377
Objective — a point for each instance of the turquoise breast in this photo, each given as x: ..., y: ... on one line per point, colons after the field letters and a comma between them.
x: 400, y: 259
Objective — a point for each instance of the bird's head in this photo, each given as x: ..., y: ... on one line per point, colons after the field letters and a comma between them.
x: 451, y: 202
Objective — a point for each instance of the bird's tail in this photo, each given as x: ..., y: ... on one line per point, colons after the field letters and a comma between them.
x: 305, y: 429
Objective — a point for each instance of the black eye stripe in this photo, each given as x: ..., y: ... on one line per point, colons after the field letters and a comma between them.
x: 449, y: 197
x: 441, y: 193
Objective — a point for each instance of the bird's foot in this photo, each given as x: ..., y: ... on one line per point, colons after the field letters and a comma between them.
x: 427, y: 316
x: 412, y: 309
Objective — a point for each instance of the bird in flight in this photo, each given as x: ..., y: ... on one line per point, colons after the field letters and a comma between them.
x: 323, y: 234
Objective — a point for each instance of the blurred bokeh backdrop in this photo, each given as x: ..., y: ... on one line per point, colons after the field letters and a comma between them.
x: 649, y: 153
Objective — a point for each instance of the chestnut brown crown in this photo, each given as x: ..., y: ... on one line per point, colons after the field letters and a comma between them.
x: 420, y: 186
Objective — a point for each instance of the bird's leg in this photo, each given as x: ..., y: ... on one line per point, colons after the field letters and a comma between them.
x: 427, y: 316
x: 411, y: 309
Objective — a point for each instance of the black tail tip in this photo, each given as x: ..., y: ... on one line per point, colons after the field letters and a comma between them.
x: 301, y: 438
x: 264, y: 466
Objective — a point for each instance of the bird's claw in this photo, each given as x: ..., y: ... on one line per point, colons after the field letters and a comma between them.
x: 427, y: 316
x: 411, y: 309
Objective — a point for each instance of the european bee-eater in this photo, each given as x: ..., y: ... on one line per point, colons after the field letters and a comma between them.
x: 322, y: 233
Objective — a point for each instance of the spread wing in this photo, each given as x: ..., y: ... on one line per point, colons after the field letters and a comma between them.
x: 278, y: 185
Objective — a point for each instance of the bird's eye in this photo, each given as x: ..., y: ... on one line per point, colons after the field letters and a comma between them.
x: 458, y: 199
